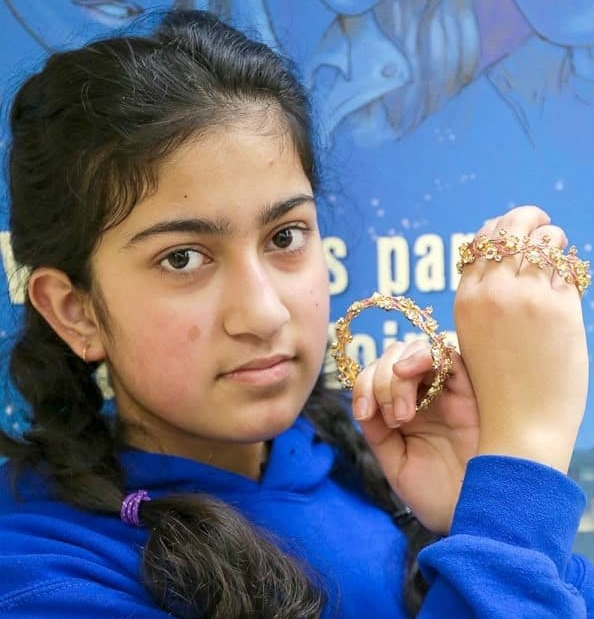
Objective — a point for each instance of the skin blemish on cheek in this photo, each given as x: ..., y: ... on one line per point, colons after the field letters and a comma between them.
x: 193, y: 333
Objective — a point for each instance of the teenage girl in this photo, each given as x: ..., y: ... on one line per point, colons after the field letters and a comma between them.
x: 163, y: 197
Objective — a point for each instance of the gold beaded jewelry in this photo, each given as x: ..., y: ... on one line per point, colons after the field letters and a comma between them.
x: 348, y: 368
x: 540, y: 253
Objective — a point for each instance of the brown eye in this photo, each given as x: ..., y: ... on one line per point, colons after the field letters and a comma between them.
x: 289, y: 240
x: 184, y: 260
x: 179, y: 259
x: 283, y: 238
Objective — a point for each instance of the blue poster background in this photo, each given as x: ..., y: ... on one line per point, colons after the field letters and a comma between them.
x: 432, y: 116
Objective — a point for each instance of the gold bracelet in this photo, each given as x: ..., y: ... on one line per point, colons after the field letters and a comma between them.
x: 348, y: 368
x: 540, y: 253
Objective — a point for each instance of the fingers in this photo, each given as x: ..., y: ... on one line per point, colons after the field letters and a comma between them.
x: 519, y: 221
x: 380, y: 388
x: 523, y: 219
x: 420, y: 363
x: 487, y: 228
x: 527, y: 217
x: 373, y: 388
x: 547, y: 236
x: 505, y: 256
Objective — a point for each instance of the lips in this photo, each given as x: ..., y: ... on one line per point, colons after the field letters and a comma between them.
x: 261, y: 371
x: 261, y: 364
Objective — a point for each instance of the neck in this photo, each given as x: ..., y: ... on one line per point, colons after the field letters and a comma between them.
x: 245, y: 459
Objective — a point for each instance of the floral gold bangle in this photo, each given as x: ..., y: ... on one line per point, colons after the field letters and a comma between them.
x: 540, y: 253
x: 348, y: 368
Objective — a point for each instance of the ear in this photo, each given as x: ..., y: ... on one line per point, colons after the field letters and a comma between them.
x: 68, y: 311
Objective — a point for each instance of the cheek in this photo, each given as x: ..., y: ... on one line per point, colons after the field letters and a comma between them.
x: 193, y: 333
x: 320, y: 290
x: 152, y: 352
x: 320, y: 301
x: 317, y: 295
x: 168, y: 329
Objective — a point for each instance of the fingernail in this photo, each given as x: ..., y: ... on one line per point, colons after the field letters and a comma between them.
x: 400, y: 409
x: 388, y: 415
x: 405, y: 360
x: 361, y: 408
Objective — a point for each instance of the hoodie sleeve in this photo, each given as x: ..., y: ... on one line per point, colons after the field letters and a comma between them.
x: 509, y: 550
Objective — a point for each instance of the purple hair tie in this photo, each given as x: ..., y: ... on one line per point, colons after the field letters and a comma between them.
x: 130, y: 505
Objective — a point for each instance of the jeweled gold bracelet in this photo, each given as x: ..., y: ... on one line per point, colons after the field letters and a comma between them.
x: 348, y: 368
x: 540, y: 253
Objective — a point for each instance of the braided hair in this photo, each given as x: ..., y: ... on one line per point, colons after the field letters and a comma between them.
x: 88, y: 134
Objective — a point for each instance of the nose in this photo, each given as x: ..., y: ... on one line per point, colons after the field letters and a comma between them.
x: 253, y: 304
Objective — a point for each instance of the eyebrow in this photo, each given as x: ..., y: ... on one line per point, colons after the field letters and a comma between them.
x: 270, y: 213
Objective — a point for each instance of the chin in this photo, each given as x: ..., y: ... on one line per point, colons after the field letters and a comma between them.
x: 269, y: 426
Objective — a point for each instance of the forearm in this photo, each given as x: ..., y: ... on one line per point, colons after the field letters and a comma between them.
x: 510, y: 547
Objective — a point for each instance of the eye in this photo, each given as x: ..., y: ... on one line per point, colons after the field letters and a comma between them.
x: 184, y: 260
x: 292, y: 238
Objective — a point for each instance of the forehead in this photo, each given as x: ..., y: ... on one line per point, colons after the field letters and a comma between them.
x: 224, y: 147
x: 229, y: 176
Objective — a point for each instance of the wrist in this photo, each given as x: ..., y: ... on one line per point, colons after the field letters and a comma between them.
x: 553, y: 451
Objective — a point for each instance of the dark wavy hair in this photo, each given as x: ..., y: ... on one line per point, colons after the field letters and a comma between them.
x: 89, y: 132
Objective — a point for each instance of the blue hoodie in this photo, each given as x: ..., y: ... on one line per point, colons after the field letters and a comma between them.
x: 508, y: 555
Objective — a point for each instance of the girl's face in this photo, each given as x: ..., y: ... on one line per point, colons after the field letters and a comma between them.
x: 216, y: 292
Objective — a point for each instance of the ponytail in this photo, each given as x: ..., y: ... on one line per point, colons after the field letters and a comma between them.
x: 202, y: 557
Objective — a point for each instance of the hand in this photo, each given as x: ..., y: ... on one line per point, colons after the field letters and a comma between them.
x: 424, y: 454
x: 522, y: 337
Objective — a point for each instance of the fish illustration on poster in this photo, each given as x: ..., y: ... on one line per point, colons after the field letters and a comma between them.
x: 431, y: 117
